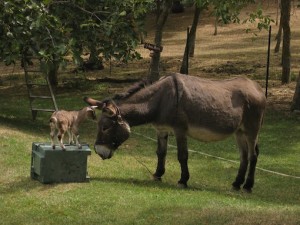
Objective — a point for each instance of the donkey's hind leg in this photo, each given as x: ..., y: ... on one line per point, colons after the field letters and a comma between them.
x: 182, y: 154
x: 253, y: 160
x: 162, y: 144
x: 243, y: 148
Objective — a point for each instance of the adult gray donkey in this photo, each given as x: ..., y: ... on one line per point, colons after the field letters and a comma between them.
x: 204, y: 109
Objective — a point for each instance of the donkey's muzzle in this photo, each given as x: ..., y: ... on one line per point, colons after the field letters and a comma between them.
x: 103, y: 151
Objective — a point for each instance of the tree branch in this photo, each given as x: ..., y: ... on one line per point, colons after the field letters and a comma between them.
x: 78, y: 7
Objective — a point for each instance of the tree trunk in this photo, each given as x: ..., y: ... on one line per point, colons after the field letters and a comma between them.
x: 286, y: 54
x: 184, y: 69
x: 277, y: 11
x: 279, y: 34
x: 194, y: 30
x: 94, y: 62
x: 160, y: 22
x: 216, y: 25
x: 296, y: 99
x: 52, y: 72
x: 190, y: 43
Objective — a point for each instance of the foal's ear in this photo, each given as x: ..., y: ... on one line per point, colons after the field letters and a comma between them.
x: 94, y: 103
x: 91, y: 112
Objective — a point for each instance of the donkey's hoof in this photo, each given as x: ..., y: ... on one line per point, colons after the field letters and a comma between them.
x: 248, y: 186
x: 182, y: 185
x: 235, y: 188
x: 79, y: 146
x: 53, y: 147
x: 247, y: 190
x: 155, y: 178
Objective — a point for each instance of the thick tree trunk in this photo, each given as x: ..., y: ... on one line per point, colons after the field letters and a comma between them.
x: 194, y: 30
x: 278, y: 36
x: 296, y: 99
x: 52, y: 72
x: 286, y: 54
x: 160, y: 22
x: 277, y: 11
x: 190, y: 43
x: 94, y: 62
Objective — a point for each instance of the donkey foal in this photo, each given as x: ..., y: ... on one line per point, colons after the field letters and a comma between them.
x: 62, y: 121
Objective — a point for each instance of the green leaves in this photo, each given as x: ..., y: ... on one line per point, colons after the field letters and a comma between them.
x: 262, y: 21
x: 52, y: 29
x: 29, y: 29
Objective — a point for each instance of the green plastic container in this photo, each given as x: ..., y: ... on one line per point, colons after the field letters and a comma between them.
x: 58, y: 166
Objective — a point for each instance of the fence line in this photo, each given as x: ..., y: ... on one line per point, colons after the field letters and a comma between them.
x: 221, y: 158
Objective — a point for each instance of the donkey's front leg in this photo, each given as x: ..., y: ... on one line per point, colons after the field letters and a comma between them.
x: 182, y: 154
x: 161, y: 152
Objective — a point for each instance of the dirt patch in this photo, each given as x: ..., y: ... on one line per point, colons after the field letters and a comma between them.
x: 280, y: 97
x: 234, y: 68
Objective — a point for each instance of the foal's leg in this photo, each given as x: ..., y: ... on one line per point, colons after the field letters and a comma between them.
x: 53, y: 134
x: 243, y: 148
x: 70, y: 134
x: 74, y: 131
x: 182, y: 154
x: 60, y: 137
x: 161, y: 152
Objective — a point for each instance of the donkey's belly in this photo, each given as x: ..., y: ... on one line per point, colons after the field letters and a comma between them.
x: 206, y: 135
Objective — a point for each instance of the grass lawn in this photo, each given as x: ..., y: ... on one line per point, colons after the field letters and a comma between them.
x: 121, y: 190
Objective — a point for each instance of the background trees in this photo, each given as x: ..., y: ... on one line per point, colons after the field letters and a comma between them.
x: 52, y: 29
x: 286, y: 53
x: 106, y: 29
x: 226, y: 12
x: 162, y: 11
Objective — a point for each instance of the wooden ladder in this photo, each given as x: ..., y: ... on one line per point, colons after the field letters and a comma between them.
x: 39, y: 82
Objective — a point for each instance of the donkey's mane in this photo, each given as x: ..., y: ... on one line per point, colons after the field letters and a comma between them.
x: 131, y: 90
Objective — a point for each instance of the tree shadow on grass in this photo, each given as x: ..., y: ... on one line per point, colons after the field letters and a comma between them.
x: 142, y: 183
x: 26, y: 125
x: 264, y: 194
x: 24, y: 184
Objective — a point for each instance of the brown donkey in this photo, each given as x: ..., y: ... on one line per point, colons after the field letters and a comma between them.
x: 189, y: 106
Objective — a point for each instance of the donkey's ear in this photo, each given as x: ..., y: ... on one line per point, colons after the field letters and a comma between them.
x: 94, y: 103
x: 110, y: 109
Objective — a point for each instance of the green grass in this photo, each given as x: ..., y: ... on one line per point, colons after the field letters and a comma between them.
x: 121, y: 190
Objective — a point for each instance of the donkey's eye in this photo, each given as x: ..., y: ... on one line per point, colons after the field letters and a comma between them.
x: 105, y: 128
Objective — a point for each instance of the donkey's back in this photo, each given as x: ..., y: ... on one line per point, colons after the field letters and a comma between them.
x: 212, y: 109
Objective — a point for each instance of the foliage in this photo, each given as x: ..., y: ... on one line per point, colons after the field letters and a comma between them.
x: 202, y: 4
x: 262, y: 21
x: 52, y: 29
x: 26, y: 26
x: 228, y: 11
